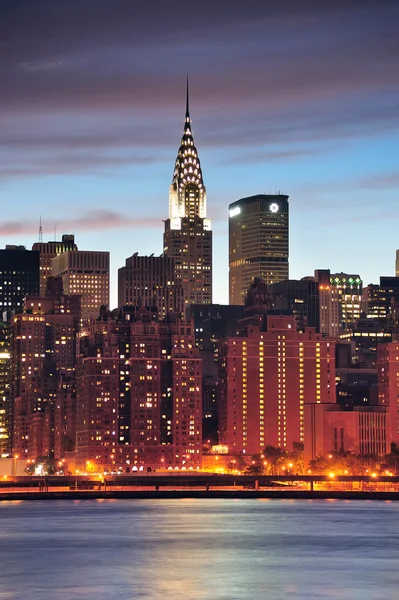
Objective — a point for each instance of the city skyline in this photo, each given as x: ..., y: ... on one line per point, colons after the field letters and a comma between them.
x: 91, y: 119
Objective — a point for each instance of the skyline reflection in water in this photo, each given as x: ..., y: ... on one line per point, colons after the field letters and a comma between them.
x: 199, y: 549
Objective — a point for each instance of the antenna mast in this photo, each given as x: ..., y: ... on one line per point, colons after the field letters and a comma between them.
x: 40, y: 231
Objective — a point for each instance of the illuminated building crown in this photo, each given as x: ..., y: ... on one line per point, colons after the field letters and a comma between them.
x: 187, y: 195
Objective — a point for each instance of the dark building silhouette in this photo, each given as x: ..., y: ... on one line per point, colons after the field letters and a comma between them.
x: 212, y: 323
x: 302, y: 298
x: 381, y: 302
x: 19, y: 276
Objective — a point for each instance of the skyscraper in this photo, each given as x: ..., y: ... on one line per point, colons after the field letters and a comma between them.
x: 188, y: 235
x: 148, y: 281
x: 86, y: 274
x: 48, y: 250
x: 258, y: 242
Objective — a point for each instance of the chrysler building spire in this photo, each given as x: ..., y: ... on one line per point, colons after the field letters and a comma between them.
x: 188, y: 235
x: 187, y: 194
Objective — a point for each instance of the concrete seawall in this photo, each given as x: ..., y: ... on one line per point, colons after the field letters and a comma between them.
x: 201, y: 494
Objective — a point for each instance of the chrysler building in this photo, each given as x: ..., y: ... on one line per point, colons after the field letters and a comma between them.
x: 188, y: 235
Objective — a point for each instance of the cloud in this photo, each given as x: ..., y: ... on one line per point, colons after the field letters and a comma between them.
x: 257, y: 55
x: 45, y: 66
x: 93, y: 220
x: 262, y: 156
x: 69, y: 164
x: 295, y: 73
x: 380, y: 181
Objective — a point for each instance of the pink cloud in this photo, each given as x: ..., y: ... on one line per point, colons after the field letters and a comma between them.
x: 93, y: 220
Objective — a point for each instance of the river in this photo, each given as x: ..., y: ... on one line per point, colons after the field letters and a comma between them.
x: 199, y: 550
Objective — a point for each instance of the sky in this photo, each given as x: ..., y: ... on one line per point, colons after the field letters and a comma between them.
x: 291, y: 96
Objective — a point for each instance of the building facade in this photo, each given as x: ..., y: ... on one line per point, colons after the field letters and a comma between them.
x: 302, y: 298
x: 48, y: 251
x: 346, y: 290
x: 5, y: 390
x: 149, y: 282
x: 388, y: 384
x: 85, y: 274
x: 266, y: 379
x: 364, y: 431
x: 381, y: 303
x: 188, y: 235
x: 156, y: 394
x: 258, y: 242
x: 44, y: 351
x: 97, y: 397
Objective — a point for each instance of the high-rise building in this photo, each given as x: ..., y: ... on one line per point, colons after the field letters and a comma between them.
x: 188, y: 235
x: 44, y: 350
x: 65, y: 417
x: 149, y: 282
x: 48, y: 250
x: 212, y: 323
x: 388, y: 384
x: 340, y: 300
x: 329, y: 308
x: 5, y: 390
x: 346, y: 290
x: 381, y: 302
x: 146, y: 403
x: 29, y: 351
x: 19, y: 276
x: 365, y: 336
x: 266, y: 379
x: 85, y: 274
x: 258, y: 242
x: 97, y: 396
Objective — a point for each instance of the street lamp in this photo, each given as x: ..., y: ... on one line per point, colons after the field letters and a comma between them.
x: 14, y: 465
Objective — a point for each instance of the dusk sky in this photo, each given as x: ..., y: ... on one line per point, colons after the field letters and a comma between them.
x: 289, y: 95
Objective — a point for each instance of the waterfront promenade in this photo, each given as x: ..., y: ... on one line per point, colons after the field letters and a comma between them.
x: 198, y: 485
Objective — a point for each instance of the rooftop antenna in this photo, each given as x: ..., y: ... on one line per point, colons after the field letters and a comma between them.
x: 40, y: 230
x: 187, y: 99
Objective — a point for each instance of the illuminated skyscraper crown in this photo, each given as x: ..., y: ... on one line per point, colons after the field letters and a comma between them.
x: 187, y: 194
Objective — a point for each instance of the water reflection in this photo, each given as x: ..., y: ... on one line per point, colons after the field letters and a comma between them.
x: 202, y: 549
